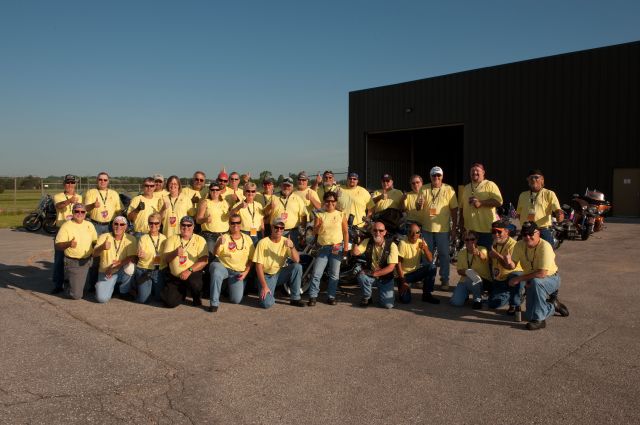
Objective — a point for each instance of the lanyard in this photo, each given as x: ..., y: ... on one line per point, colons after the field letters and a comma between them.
x: 155, y: 244
x: 104, y: 198
x: 185, y: 246
x: 504, y: 245
x: 173, y: 204
x: 532, y: 198
x: 473, y: 189
x: 252, y: 213
x: 435, y: 198
x: 526, y: 254
x: 284, y: 204
x: 116, y: 245
x: 234, y: 241
x: 470, y: 262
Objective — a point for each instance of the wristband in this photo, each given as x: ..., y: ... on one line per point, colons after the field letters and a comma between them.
x: 190, y: 269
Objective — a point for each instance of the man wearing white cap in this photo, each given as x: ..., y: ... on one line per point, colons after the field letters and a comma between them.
x: 290, y: 209
x: 438, y: 210
x: 116, y: 252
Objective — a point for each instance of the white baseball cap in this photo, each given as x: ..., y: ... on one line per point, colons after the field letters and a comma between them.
x: 436, y: 170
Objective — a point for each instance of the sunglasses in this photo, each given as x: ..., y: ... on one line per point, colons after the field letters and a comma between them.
x: 159, y: 181
x: 186, y: 225
x: 222, y: 181
x: 79, y: 212
x: 528, y: 235
x: 235, y: 223
x: 154, y: 223
x: 278, y: 227
x: 353, y: 178
x: 69, y: 182
x: 119, y: 224
x: 250, y: 191
x: 150, y: 185
x: 330, y: 201
x: 497, y: 231
x: 469, y: 239
x: 378, y: 230
x: 213, y: 189
x: 235, y: 178
x: 103, y: 180
x: 414, y: 233
x: 437, y: 175
x: 197, y: 180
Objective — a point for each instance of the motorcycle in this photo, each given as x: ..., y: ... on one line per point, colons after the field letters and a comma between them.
x: 583, y: 215
x: 43, y: 217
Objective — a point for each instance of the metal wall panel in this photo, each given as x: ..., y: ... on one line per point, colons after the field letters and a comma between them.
x: 573, y: 115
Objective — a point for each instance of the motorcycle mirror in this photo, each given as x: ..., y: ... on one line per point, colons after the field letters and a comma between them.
x: 350, y: 219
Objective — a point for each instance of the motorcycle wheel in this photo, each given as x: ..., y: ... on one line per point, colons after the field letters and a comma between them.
x: 599, y: 224
x: 49, y: 226
x: 32, y: 222
x: 307, y: 262
x: 586, y: 231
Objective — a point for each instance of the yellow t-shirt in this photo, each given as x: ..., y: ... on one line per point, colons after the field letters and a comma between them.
x: 263, y: 199
x: 161, y: 194
x: 356, y: 201
x: 331, y: 230
x: 541, y: 257
x: 189, y: 192
x: 410, y: 207
x: 272, y: 255
x: 470, y: 261
x: 127, y: 247
x: 65, y: 214
x: 229, y: 195
x: 251, y: 216
x: 307, y: 203
x: 537, y: 207
x: 195, y: 249
x: 436, y: 210
x: 152, y: 247
x: 377, y: 252
x: 109, y: 204
x: 85, y: 235
x: 321, y: 190
x: 291, y: 210
x: 410, y: 254
x: 153, y: 205
x: 497, y: 270
x: 394, y: 198
x: 219, y: 215
x: 176, y: 209
x: 480, y: 219
x: 235, y: 253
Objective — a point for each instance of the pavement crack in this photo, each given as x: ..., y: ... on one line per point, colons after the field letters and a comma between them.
x: 570, y: 353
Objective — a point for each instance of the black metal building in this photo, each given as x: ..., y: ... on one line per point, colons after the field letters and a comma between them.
x: 574, y: 115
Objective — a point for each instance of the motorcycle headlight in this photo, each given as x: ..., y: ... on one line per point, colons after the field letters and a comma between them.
x: 592, y: 209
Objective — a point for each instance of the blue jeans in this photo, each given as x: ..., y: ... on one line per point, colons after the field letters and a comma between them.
x: 463, y: 289
x: 138, y: 235
x: 152, y: 285
x: 293, y: 274
x: 218, y: 273
x: 255, y: 239
x: 385, y: 288
x: 502, y: 293
x: 211, y: 239
x: 101, y: 228
x: 546, y: 235
x: 105, y: 286
x: 485, y: 240
x: 58, y: 268
x: 537, y: 292
x: 326, y: 256
x: 427, y: 274
x: 439, y: 241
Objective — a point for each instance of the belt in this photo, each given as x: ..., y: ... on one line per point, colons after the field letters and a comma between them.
x: 77, y: 259
x: 105, y: 223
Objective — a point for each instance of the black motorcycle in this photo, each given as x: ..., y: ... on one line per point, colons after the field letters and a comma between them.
x: 44, y: 217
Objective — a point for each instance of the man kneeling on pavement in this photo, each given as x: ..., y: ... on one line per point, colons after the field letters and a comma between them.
x: 540, y: 275
x: 415, y: 265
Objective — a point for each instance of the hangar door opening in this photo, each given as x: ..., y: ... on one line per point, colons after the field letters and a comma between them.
x: 407, y: 152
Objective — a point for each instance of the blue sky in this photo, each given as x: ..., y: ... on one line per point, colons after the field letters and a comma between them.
x: 137, y: 87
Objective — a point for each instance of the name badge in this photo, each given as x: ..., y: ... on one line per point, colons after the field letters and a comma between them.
x: 232, y: 246
x: 284, y: 215
x: 182, y: 259
x: 104, y: 213
x: 531, y: 214
x: 172, y: 221
x: 156, y: 260
x: 253, y: 231
x: 432, y: 212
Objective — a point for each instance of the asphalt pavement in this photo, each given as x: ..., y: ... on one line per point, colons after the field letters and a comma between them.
x: 77, y: 362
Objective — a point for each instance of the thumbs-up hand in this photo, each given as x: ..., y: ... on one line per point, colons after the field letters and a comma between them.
x: 141, y: 254
x: 194, y: 199
x: 180, y: 251
x: 74, y: 199
x: 288, y: 242
x: 96, y: 204
x: 107, y: 244
x: 166, y: 203
x: 308, y: 195
x: 74, y: 243
x: 318, y: 179
x: 222, y: 240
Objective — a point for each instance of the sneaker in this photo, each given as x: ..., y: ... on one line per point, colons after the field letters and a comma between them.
x: 428, y: 298
x: 559, y: 307
x: 534, y: 325
x: 365, y: 302
x: 444, y: 286
x: 331, y: 301
x: 212, y: 308
x: 311, y: 302
x: 477, y: 305
x: 297, y: 303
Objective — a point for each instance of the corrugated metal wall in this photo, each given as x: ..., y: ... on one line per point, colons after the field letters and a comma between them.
x: 573, y: 115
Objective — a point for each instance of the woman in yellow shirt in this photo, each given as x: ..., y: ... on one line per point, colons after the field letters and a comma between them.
x: 213, y: 215
x: 175, y: 205
x: 333, y: 239
x: 151, y: 264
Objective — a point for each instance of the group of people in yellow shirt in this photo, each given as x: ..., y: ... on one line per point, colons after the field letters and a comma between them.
x: 179, y: 231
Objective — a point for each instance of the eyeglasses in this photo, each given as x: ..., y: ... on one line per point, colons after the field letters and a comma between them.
x: 186, y: 225
x: 154, y: 223
x: 235, y: 178
x: 378, y: 230
x: 79, y: 212
x: 250, y: 191
x: 149, y: 185
x: 469, y: 239
x: 103, y: 180
x: 235, y: 223
x: 197, y: 180
x: 69, y: 182
x: 119, y: 224
x: 278, y: 227
x: 222, y: 181
x: 535, y: 177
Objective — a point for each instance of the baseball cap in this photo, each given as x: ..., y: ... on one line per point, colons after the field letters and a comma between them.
x: 186, y: 219
x: 120, y: 219
x: 158, y: 177
x: 287, y: 180
x: 278, y: 220
x: 386, y: 177
x: 435, y: 171
x: 302, y: 175
x: 477, y: 164
x: 354, y: 175
x: 535, y: 171
x: 267, y: 180
x: 214, y: 185
x: 78, y: 206
x: 528, y: 228
x: 69, y: 178
x: 501, y: 224
x: 223, y: 175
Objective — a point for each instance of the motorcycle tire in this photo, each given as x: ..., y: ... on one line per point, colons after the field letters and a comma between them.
x: 586, y: 231
x: 32, y: 222
x: 49, y: 226
x: 307, y: 267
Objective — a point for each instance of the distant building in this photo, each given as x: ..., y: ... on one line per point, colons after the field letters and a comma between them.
x: 575, y: 115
